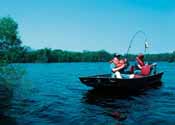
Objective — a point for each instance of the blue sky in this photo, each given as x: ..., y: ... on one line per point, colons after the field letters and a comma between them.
x: 79, y: 25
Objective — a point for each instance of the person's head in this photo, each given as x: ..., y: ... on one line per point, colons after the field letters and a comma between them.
x: 117, y: 55
x: 116, y: 58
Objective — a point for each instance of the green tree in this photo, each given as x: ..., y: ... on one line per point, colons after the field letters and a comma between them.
x: 9, y: 39
x: 10, y: 49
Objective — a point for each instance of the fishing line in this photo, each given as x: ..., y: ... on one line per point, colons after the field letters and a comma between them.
x: 132, y: 39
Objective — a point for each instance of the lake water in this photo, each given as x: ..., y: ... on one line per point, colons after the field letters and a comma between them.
x: 51, y: 94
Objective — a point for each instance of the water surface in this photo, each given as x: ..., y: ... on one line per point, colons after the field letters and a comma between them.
x: 51, y: 94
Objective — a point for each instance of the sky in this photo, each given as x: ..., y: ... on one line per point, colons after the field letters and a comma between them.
x: 78, y: 25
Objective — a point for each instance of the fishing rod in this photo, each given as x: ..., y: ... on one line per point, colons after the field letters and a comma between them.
x: 132, y: 39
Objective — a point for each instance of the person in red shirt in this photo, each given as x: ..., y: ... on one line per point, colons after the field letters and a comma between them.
x: 145, y: 69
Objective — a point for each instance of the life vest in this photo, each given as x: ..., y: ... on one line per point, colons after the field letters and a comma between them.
x: 119, y: 63
x: 140, y: 61
x: 146, y: 69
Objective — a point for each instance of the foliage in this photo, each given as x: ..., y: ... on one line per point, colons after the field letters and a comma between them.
x: 10, y: 51
x: 50, y: 56
x: 47, y: 55
x: 9, y: 39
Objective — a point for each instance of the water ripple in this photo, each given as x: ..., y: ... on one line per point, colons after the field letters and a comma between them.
x: 55, y: 96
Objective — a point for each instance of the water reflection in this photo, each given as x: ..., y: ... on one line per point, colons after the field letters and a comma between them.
x: 104, y: 96
x: 120, y: 104
x: 5, y: 104
x: 110, y: 99
x: 6, y: 120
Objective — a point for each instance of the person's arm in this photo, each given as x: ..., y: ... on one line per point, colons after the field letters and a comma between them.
x: 139, y: 66
x: 118, y: 68
x: 140, y: 63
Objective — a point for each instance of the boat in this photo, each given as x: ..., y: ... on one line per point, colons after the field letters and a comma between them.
x: 142, y: 82
x: 106, y: 81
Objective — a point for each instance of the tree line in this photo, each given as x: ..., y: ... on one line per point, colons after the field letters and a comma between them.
x: 12, y: 50
x: 47, y: 55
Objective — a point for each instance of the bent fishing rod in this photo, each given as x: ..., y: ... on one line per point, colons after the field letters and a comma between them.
x: 132, y: 39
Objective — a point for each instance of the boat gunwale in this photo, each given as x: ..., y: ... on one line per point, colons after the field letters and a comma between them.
x: 100, y: 76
